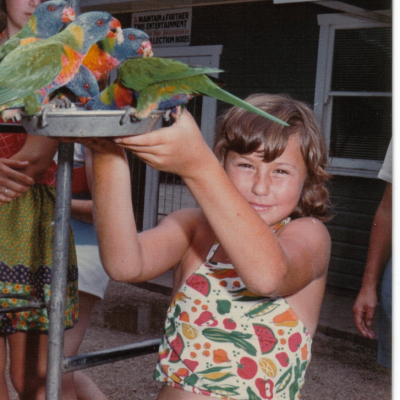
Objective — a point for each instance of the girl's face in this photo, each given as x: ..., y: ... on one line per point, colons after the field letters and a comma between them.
x: 272, y: 189
x: 19, y: 11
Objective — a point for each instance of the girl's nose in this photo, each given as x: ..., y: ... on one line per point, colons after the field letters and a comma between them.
x: 261, y: 184
x: 35, y: 3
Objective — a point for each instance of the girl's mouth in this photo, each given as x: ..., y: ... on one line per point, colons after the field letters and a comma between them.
x: 260, y: 207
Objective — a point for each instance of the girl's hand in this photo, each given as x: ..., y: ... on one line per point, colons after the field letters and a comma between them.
x: 179, y: 149
x: 13, y: 183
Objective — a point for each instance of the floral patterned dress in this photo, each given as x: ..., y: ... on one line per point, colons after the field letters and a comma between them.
x: 26, y: 239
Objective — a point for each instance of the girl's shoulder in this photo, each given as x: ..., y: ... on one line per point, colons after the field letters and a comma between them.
x: 309, y: 231
x: 306, y: 225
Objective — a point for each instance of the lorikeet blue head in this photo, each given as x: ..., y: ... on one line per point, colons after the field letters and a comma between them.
x: 135, y: 42
x: 95, y: 26
x: 49, y: 17
x: 84, y: 84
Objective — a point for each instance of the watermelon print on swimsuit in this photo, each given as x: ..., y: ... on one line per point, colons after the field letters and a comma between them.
x: 223, y: 341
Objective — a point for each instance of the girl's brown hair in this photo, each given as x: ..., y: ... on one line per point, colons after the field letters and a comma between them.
x: 3, y: 15
x: 244, y: 132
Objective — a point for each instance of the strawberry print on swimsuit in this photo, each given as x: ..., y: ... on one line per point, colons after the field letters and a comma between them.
x: 223, y: 341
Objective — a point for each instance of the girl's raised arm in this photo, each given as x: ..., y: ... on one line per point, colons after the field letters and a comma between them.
x: 267, y: 264
x: 127, y: 256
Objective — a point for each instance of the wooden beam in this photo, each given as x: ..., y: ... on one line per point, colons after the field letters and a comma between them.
x: 348, y: 8
x: 152, y: 5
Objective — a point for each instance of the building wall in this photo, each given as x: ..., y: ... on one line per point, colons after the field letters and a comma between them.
x: 266, y: 47
x: 354, y: 201
x: 273, y: 48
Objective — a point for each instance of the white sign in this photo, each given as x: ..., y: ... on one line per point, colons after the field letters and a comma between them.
x: 165, y: 27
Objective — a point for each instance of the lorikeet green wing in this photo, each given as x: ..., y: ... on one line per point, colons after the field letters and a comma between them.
x: 26, y: 71
x: 139, y: 73
x: 46, y: 65
x: 157, y: 79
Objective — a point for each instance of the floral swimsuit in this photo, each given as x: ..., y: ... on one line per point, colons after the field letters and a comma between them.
x: 222, y: 340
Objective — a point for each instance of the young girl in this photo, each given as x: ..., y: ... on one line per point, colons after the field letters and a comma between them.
x: 249, y: 266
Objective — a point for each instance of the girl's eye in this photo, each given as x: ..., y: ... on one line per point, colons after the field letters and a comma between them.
x: 281, y: 171
x: 245, y: 165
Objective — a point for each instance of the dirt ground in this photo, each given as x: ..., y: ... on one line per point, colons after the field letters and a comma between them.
x: 339, y: 370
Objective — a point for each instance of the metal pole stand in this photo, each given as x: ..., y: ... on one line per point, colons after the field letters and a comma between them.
x: 59, y: 271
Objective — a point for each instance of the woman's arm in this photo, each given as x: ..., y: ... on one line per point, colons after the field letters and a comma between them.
x: 82, y: 210
x: 268, y: 264
x: 39, y: 151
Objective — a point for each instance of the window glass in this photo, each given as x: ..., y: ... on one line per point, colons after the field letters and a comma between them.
x: 362, y: 60
x: 361, y: 127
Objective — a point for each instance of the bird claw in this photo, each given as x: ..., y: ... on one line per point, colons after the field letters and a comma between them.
x: 13, y: 114
x: 130, y: 113
x: 62, y: 102
x: 174, y: 112
x: 167, y: 115
x: 42, y: 123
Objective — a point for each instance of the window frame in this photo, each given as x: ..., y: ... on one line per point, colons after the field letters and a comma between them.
x: 323, y: 103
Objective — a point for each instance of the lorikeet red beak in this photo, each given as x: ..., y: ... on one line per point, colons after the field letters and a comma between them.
x: 84, y: 100
x: 68, y: 15
x: 116, y: 31
x: 146, y: 49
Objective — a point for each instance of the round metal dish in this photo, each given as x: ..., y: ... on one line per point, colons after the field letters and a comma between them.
x: 77, y: 122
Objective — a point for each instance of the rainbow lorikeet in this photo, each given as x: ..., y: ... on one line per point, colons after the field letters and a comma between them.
x: 46, y: 21
x: 107, y: 54
x: 161, y: 83
x: 30, y: 73
x: 83, y: 85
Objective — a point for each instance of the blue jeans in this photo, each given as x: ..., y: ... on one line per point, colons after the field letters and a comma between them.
x: 385, y: 318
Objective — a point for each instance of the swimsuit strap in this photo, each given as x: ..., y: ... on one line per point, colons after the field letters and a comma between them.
x: 214, y: 247
x: 212, y: 251
x: 283, y: 223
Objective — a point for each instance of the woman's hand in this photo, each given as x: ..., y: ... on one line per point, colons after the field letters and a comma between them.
x: 13, y: 183
x: 179, y: 149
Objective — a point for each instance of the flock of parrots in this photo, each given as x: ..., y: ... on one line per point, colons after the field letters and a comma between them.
x: 57, y: 50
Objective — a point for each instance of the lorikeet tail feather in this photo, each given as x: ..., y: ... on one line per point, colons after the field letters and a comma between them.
x: 212, y: 90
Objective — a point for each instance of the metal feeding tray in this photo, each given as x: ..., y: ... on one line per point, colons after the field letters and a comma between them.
x: 78, y: 122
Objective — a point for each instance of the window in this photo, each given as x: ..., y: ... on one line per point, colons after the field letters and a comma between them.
x: 353, y: 97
